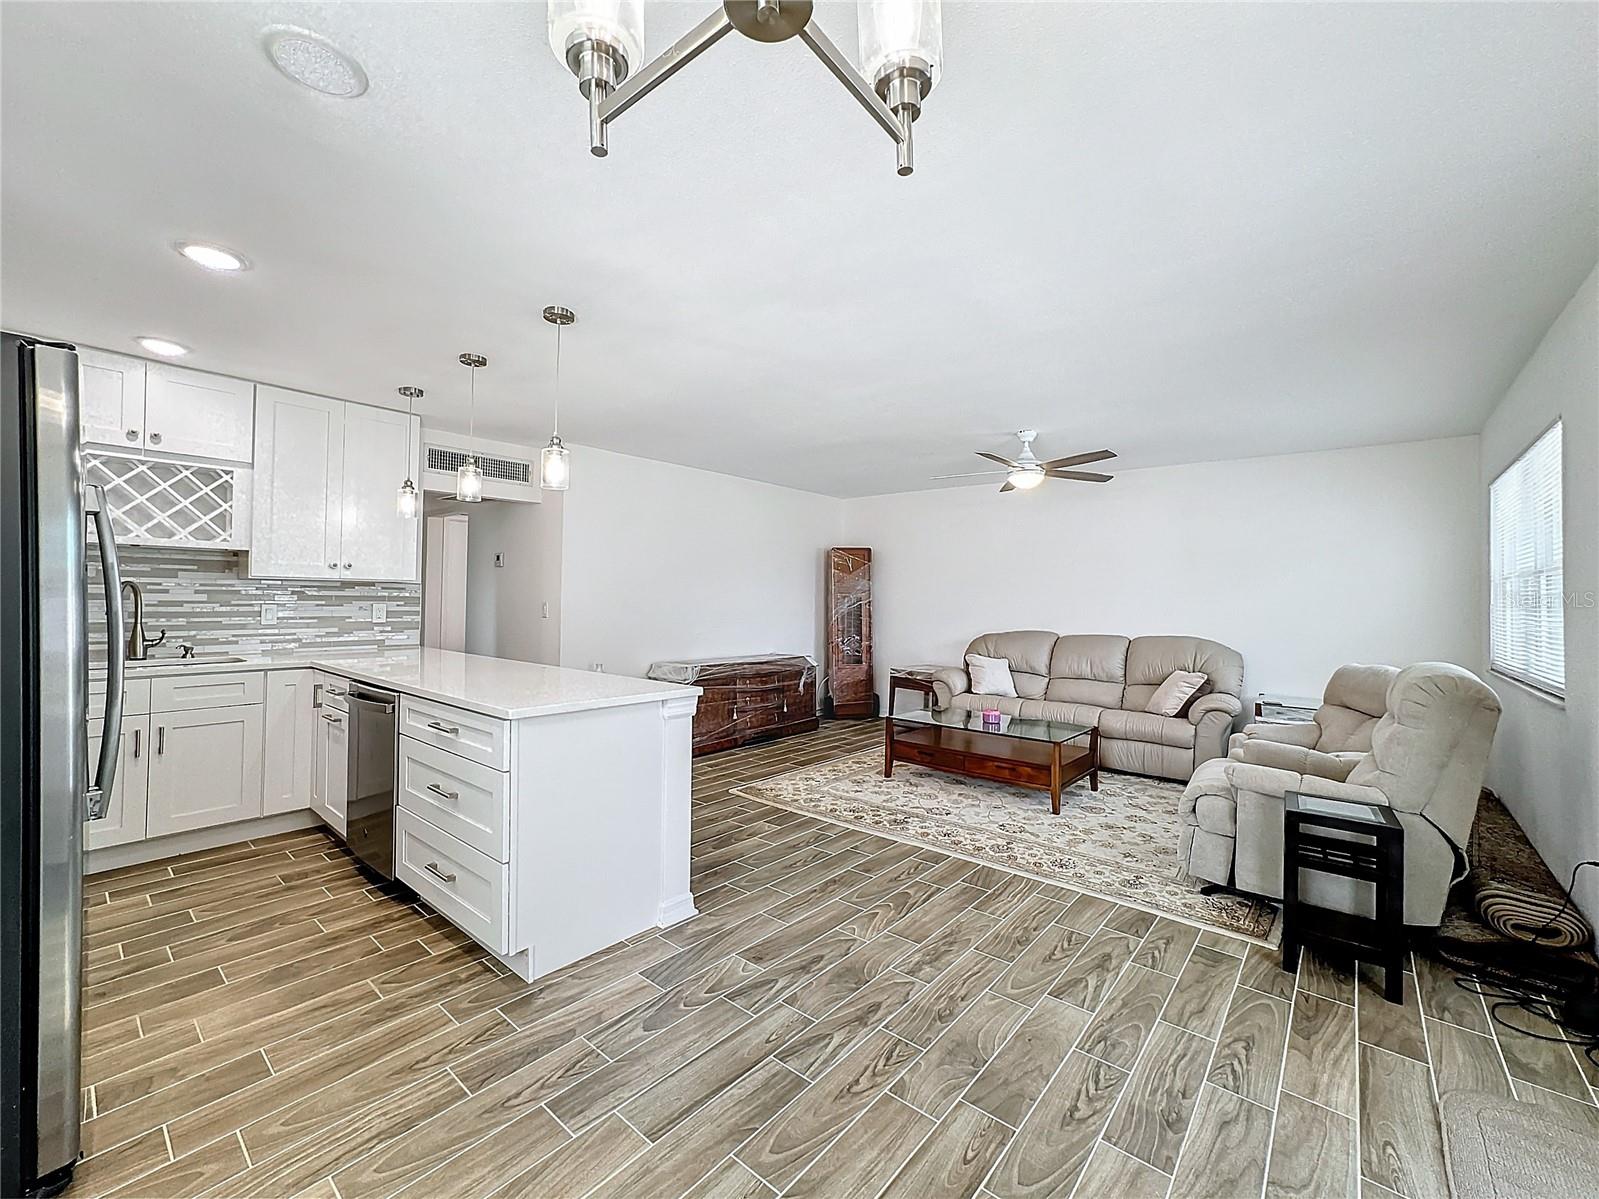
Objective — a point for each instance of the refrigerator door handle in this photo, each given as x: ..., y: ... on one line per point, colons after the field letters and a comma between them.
x: 98, y: 796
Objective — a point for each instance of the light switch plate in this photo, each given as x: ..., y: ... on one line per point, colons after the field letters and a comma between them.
x: 499, y: 559
x: 380, y: 613
x: 269, y: 614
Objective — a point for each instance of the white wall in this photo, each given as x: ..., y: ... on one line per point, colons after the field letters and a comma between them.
x: 662, y: 561
x: 1301, y: 562
x: 1546, y: 755
x: 504, y: 604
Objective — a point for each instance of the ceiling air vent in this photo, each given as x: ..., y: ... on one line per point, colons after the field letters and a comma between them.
x: 507, y: 470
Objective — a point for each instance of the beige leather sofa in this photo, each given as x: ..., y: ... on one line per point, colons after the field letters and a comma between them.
x: 1428, y: 753
x: 1107, y: 681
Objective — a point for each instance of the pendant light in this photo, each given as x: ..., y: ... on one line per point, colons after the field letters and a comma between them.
x: 555, y: 460
x: 408, y: 502
x: 468, y: 480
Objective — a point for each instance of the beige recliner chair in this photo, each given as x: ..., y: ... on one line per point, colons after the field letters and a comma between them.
x: 1428, y: 754
x: 1355, y: 699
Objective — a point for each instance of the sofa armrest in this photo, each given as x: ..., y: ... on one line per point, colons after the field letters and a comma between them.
x: 1306, y: 734
x: 948, y: 682
x: 1294, y: 757
x: 1215, y: 702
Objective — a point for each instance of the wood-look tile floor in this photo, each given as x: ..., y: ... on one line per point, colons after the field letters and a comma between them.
x: 849, y: 1016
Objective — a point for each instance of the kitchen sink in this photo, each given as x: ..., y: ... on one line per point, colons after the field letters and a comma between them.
x: 196, y: 660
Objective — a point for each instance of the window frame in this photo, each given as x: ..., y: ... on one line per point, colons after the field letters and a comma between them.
x: 1542, y: 687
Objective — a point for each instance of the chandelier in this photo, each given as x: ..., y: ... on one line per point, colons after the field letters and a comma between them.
x: 901, y: 50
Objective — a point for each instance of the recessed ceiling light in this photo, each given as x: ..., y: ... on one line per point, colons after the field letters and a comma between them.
x: 163, y: 347
x: 313, y: 61
x: 213, y: 258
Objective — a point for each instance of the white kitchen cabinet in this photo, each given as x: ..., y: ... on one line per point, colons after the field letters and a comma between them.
x: 194, y: 414
x: 289, y: 742
x: 376, y: 542
x: 124, y: 821
x: 205, y: 768
x: 330, y: 792
x: 326, y: 473
x: 111, y: 398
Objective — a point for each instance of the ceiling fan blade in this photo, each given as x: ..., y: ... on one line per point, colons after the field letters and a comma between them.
x: 1005, y: 462
x: 1079, y: 459
x: 976, y: 474
x: 1009, y: 486
x: 1082, y: 476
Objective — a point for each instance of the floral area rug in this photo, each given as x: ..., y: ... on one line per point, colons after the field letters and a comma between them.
x: 1119, y: 842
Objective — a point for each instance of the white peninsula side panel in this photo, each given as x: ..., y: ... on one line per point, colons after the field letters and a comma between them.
x: 600, y: 823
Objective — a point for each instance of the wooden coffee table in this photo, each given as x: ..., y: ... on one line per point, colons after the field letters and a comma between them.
x: 1048, y: 754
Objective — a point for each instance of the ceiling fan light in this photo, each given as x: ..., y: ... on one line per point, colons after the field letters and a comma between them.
x: 900, y: 35
x: 555, y: 466
x: 1025, y: 480
x: 469, y: 482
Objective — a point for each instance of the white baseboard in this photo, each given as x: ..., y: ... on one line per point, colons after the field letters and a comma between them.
x: 115, y: 857
x: 676, y: 910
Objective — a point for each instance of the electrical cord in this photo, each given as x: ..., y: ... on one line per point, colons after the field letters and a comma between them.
x: 1556, y: 980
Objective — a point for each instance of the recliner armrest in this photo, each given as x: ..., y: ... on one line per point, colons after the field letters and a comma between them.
x: 1338, y: 789
x: 1263, y: 780
x: 1306, y: 734
x: 1294, y: 757
x: 1215, y: 702
x: 948, y: 682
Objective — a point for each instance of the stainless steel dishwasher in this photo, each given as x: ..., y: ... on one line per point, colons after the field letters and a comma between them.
x: 370, y: 810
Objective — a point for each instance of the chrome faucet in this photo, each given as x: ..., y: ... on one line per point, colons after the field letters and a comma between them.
x: 138, y: 643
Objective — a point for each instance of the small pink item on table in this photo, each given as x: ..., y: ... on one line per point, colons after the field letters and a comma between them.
x: 990, y: 715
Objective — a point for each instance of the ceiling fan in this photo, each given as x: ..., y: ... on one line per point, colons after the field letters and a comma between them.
x: 1026, y: 472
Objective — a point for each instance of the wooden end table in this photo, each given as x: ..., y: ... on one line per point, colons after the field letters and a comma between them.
x: 911, y: 678
x: 1375, y: 854
x: 1047, y: 754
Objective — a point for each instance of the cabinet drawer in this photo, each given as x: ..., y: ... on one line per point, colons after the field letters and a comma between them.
x: 480, y: 738
x: 135, y: 695
x: 468, y: 888
x: 464, y: 798
x: 183, y: 694
x: 332, y: 692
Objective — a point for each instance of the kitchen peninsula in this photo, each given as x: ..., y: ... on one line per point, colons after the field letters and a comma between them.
x: 543, y: 811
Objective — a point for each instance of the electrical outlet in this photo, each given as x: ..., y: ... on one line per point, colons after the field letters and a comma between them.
x: 499, y: 560
x: 269, y: 614
x: 380, y: 613
x: 597, y: 667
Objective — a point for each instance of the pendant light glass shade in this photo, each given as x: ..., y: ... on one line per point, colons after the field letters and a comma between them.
x: 469, y: 482
x: 617, y: 23
x: 406, y: 502
x: 897, y: 34
x: 555, y: 466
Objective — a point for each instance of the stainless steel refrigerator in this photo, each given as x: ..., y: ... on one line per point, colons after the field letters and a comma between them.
x: 48, y: 787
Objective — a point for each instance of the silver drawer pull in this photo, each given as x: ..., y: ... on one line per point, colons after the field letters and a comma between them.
x: 433, y: 869
x: 332, y: 690
x: 452, y: 796
x: 452, y: 730
x: 330, y: 718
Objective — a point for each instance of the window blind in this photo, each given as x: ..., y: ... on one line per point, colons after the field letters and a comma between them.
x: 1527, y: 633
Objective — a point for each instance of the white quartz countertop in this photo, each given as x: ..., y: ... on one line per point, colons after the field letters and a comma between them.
x: 496, y: 687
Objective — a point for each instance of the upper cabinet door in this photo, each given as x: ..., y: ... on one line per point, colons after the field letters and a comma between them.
x: 111, y: 398
x: 381, y: 450
x: 298, y: 486
x: 193, y: 413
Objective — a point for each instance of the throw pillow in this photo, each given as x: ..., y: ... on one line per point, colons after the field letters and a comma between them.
x: 990, y: 676
x: 1177, y: 690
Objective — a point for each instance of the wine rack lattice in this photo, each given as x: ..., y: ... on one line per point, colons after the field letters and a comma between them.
x: 159, y: 502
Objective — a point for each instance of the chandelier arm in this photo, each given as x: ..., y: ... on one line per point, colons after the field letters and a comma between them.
x: 844, y: 71
x: 665, y: 64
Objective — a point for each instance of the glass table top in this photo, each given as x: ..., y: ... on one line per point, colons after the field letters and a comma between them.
x: 1008, y: 726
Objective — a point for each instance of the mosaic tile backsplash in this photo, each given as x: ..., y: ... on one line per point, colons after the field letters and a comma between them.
x: 200, y: 598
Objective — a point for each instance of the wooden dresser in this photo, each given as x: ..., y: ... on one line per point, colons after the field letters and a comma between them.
x: 746, y: 699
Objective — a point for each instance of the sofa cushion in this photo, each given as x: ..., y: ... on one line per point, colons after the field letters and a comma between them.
x: 1151, y: 659
x: 1067, y: 713
x: 1088, y: 669
x: 1027, y: 652
x: 1146, y: 726
x: 990, y: 676
x: 970, y: 701
x: 1173, y: 695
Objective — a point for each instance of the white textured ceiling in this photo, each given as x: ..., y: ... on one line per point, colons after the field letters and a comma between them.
x: 1186, y: 232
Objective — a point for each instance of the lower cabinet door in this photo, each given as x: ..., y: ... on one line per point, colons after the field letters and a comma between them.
x: 205, y: 768
x: 124, y: 819
x: 330, y: 786
x: 290, y: 733
x: 467, y: 887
